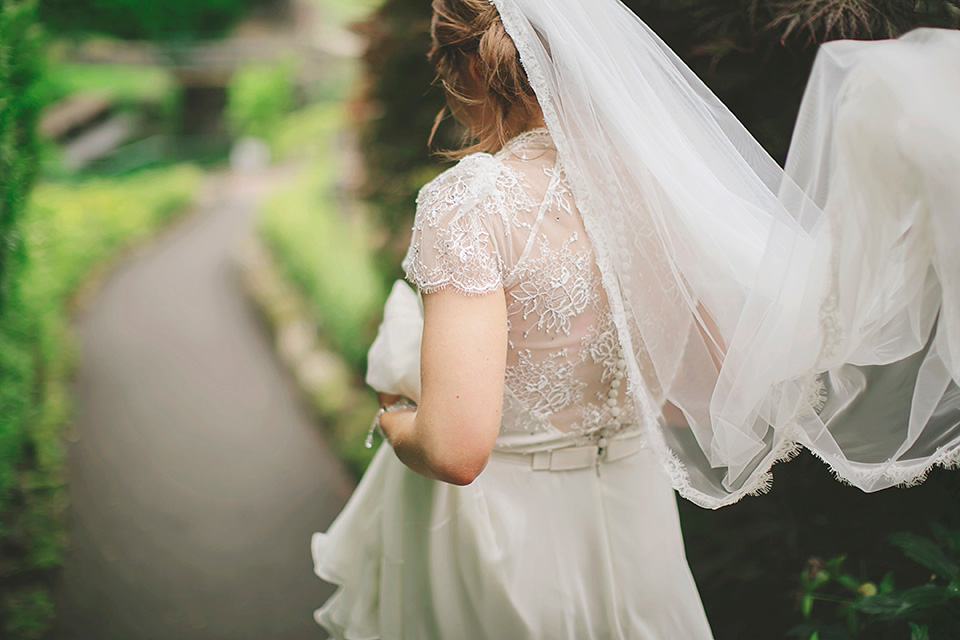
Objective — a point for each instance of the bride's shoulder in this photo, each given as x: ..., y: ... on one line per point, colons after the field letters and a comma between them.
x: 471, y: 175
x: 477, y: 181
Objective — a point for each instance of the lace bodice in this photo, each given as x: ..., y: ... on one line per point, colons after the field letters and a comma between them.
x: 509, y: 220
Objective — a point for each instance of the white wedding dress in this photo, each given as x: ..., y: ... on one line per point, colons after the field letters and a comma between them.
x: 588, y: 552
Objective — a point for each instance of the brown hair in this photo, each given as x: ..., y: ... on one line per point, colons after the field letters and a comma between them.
x: 470, y: 32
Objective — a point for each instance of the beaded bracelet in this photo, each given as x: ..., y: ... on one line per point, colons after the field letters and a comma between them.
x: 400, y: 405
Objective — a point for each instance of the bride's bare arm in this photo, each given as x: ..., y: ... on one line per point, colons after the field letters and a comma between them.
x: 462, y: 362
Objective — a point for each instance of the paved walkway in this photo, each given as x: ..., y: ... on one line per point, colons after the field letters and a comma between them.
x: 196, y: 477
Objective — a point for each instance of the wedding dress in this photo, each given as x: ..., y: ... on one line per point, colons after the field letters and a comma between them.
x: 651, y: 251
x: 577, y: 548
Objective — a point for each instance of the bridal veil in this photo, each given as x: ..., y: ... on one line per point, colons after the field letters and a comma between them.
x: 814, y: 306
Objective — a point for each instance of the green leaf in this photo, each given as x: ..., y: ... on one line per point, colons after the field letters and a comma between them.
x: 806, y: 605
x: 953, y: 589
x: 853, y: 622
x: 918, y: 632
x: 950, y: 538
x: 898, y: 605
x: 820, y: 631
x: 833, y: 565
x: 886, y: 583
x: 927, y: 553
x: 849, y: 583
x: 821, y: 578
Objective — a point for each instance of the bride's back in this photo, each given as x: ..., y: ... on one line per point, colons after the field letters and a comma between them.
x: 509, y: 219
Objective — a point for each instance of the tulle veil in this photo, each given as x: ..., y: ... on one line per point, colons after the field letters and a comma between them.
x: 816, y: 305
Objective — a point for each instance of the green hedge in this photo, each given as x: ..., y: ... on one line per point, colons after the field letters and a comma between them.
x: 68, y: 231
x: 325, y: 247
x: 20, y: 66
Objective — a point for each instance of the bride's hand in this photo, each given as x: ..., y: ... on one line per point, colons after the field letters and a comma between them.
x: 387, y: 399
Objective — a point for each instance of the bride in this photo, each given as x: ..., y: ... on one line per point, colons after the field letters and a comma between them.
x: 623, y: 295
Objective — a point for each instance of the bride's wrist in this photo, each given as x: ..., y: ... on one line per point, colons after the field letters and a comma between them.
x: 394, y: 404
x: 396, y: 424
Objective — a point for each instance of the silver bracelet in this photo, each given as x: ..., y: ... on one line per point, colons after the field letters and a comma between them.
x: 402, y: 404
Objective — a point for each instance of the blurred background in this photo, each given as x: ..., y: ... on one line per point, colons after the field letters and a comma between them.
x: 202, y: 208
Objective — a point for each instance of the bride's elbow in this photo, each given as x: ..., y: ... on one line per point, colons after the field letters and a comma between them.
x: 460, y: 465
x: 460, y: 455
x: 460, y: 474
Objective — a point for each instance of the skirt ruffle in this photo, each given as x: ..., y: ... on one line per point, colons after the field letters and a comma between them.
x: 516, y: 554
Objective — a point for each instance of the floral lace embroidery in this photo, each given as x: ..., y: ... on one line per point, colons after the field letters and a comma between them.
x: 555, y: 287
x: 545, y: 386
x: 456, y: 211
x: 561, y: 197
x: 601, y: 345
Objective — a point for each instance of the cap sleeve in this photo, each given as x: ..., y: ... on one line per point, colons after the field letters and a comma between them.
x: 457, y: 238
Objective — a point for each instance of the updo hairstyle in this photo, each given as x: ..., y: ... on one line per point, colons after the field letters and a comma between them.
x: 507, y: 102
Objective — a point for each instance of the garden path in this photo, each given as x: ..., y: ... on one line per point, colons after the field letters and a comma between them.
x: 195, y: 475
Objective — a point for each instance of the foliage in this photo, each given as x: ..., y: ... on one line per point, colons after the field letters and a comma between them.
x: 745, y: 556
x: 119, y: 83
x: 824, y: 20
x: 258, y: 98
x: 868, y: 609
x: 345, y: 12
x: 28, y: 613
x: 400, y: 108
x: 306, y: 132
x: 327, y: 255
x: 20, y: 68
x: 146, y: 19
x: 321, y: 242
x: 68, y: 230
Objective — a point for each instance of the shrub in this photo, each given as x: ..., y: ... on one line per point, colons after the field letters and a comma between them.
x: 879, y: 609
x: 258, y: 98
x: 20, y: 59
x: 327, y: 256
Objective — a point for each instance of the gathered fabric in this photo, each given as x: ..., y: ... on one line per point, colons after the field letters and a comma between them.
x: 561, y: 555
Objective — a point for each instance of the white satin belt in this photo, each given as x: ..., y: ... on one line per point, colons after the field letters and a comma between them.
x: 580, y: 457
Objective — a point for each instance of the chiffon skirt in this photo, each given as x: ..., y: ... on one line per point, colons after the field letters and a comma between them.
x: 578, y: 554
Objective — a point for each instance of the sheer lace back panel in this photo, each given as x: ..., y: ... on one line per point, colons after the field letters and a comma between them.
x: 509, y: 220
